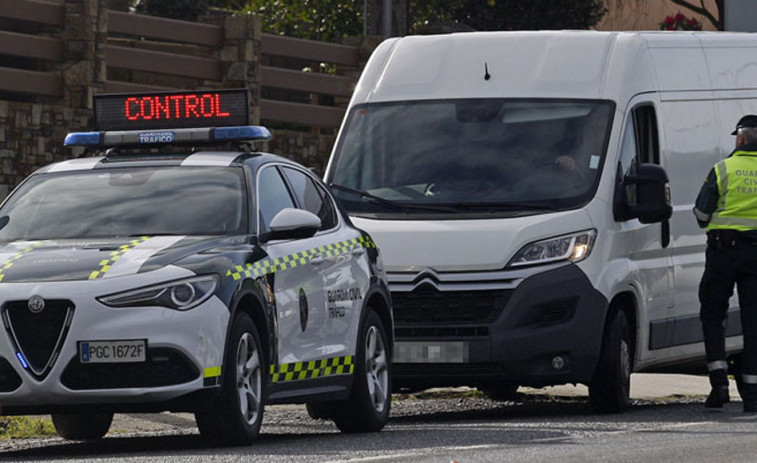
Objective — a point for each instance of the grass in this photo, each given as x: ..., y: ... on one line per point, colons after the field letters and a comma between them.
x: 20, y: 427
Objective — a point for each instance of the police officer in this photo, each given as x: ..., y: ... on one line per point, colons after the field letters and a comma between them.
x: 727, y: 206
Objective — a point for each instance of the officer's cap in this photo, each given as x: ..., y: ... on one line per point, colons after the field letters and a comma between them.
x: 750, y: 120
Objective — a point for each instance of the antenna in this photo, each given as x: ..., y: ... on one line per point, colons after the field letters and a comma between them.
x: 487, y: 76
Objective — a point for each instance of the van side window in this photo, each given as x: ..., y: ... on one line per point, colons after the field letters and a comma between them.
x: 640, y: 145
x: 645, y: 125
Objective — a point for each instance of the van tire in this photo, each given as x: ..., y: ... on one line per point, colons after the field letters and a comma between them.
x: 609, y: 390
x: 367, y: 409
x: 238, y: 413
x: 82, y: 426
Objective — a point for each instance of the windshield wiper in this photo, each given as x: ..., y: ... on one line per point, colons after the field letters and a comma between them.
x: 502, y: 205
x: 393, y: 204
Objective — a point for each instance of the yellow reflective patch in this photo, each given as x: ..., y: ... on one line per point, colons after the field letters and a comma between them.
x: 105, y: 264
x: 299, y: 371
x: 273, y: 265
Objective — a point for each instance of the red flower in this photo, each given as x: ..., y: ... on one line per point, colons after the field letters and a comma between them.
x: 680, y: 17
x: 668, y: 21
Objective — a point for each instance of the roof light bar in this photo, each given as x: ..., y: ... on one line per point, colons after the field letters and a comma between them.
x: 165, y: 137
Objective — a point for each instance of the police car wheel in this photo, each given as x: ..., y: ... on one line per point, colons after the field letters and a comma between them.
x: 609, y: 390
x: 367, y: 409
x: 238, y: 414
x: 82, y: 426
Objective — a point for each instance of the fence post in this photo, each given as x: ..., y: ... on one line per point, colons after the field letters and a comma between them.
x: 240, y: 55
x: 84, y: 33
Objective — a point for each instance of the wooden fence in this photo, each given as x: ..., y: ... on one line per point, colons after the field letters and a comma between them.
x: 43, y: 44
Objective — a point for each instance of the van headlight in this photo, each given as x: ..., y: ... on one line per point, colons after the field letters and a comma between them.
x: 178, y: 295
x: 574, y: 248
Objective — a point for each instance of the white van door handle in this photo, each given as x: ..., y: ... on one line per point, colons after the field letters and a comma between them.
x: 357, y: 252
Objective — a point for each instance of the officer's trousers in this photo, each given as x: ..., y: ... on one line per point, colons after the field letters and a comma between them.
x: 730, y: 262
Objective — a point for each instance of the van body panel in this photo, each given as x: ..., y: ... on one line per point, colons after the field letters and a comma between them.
x: 437, y: 244
x: 674, y: 99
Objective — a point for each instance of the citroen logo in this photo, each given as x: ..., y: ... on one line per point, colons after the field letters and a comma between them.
x: 36, y: 304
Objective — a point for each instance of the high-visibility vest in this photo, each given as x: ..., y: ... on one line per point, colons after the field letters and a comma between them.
x: 737, y: 188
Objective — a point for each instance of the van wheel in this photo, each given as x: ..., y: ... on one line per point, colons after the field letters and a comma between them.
x: 367, y: 409
x: 609, y: 390
x: 81, y: 426
x: 238, y: 414
x: 500, y: 391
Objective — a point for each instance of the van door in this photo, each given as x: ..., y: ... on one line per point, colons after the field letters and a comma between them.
x: 646, y: 245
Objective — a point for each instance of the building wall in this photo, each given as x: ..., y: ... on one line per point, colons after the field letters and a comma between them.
x: 627, y: 15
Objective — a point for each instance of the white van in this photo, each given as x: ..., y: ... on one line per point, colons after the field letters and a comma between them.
x: 516, y: 186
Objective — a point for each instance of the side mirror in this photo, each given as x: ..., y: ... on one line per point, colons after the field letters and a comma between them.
x: 292, y: 223
x: 647, y: 194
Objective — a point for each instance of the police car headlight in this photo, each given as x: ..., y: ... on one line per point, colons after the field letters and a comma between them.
x: 573, y: 248
x: 179, y: 295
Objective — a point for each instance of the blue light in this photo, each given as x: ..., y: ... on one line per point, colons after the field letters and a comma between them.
x: 21, y: 359
x: 82, y: 139
x: 244, y: 132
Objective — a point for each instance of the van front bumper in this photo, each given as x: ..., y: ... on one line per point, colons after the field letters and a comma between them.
x: 545, y: 330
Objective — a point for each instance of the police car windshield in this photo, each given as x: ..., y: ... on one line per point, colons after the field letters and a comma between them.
x: 524, y: 155
x: 127, y: 202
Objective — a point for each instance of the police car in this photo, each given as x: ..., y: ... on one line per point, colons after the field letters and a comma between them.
x: 168, y: 273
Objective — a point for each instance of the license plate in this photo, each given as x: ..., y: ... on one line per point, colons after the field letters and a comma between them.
x: 431, y: 352
x: 126, y: 351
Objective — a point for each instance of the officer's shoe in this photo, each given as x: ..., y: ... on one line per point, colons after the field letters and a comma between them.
x: 750, y: 406
x: 719, y: 396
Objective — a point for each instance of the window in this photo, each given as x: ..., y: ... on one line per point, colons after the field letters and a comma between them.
x: 312, y: 197
x: 273, y: 196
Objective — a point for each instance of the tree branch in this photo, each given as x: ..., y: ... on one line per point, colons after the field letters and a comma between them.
x: 717, y: 22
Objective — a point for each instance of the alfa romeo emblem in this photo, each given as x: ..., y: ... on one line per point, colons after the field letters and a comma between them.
x: 36, y: 304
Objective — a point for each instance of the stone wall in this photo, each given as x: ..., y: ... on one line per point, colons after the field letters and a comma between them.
x: 31, y: 136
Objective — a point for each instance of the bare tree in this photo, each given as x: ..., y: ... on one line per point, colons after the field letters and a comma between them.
x: 716, y: 18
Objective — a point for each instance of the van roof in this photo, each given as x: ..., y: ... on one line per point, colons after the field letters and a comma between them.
x: 544, y: 64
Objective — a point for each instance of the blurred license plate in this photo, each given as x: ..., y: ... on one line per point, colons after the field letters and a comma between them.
x: 430, y: 352
x: 134, y: 350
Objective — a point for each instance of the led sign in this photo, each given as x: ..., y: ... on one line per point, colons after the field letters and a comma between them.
x: 170, y: 110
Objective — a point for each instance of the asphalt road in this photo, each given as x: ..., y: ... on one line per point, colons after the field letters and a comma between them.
x: 667, y: 422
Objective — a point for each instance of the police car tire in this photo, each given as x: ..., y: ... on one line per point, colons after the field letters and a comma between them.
x: 227, y: 424
x: 82, y: 426
x: 609, y: 390
x: 360, y: 413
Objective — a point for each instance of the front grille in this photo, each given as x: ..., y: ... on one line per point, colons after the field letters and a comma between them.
x: 39, y: 336
x: 427, y: 305
x: 443, y: 332
x: 9, y: 379
x: 164, y: 367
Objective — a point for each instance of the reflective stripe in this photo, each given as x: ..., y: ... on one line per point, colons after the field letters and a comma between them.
x: 11, y: 260
x: 749, y: 379
x: 114, y: 256
x: 734, y: 221
x: 313, y: 369
x: 717, y: 365
x: 268, y: 265
x: 211, y: 376
x: 701, y: 216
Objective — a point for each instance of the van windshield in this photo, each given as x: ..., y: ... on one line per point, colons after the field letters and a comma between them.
x: 470, y: 156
